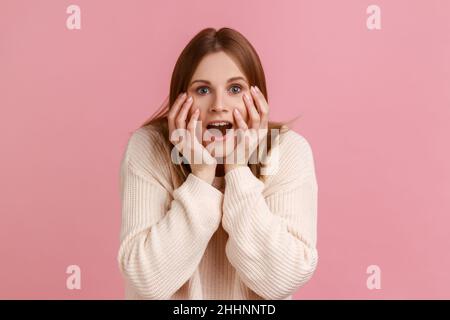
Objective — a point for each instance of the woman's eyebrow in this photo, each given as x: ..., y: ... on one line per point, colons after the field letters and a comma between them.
x: 229, y: 80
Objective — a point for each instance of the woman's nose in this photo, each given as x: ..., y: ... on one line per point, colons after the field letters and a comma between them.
x: 218, y: 108
x: 219, y: 104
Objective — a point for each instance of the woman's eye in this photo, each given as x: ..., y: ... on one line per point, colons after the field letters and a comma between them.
x: 236, y: 91
x: 200, y: 88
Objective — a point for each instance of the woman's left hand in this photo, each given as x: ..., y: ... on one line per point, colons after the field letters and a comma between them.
x: 252, y: 134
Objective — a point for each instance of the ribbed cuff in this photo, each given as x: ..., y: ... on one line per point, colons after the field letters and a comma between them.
x: 243, y: 192
x: 198, y: 193
x: 242, y: 179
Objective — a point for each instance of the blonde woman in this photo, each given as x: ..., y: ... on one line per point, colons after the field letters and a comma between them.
x: 222, y: 226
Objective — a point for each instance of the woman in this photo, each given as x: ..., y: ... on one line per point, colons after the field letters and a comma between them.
x: 222, y: 226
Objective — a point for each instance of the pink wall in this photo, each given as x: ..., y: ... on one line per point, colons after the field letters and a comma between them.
x: 375, y: 106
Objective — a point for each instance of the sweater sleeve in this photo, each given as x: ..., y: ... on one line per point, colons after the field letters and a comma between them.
x: 272, y: 237
x: 161, y: 245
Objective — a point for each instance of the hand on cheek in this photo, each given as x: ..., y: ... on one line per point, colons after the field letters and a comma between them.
x: 250, y: 133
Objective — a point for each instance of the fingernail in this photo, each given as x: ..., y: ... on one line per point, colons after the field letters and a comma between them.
x: 253, y: 89
x: 257, y: 89
x: 246, y: 97
x: 189, y: 99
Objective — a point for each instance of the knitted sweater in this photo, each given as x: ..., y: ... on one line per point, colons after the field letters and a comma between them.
x: 188, y: 240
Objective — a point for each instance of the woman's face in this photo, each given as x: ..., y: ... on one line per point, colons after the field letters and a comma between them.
x: 217, y: 87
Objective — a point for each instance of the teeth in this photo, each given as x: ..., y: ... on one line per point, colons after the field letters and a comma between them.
x: 218, y: 124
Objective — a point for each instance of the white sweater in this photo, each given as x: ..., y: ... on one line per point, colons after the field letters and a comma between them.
x: 257, y: 240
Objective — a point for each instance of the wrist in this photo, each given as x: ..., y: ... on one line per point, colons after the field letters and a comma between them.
x: 205, y: 175
x: 229, y: 167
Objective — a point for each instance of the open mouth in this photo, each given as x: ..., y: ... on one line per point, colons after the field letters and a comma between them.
x: 220, y: 127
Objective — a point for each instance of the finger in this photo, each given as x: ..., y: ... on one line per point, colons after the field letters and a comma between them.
x: 174, y: 111
x: 261, y: 103
x: 192, y: 126
x: 180, y: 121
x: 197, y: 131
x: 240, y: 120
x: 252, y: 112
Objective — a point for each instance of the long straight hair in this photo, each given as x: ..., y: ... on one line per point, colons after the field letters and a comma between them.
x: 205, y: 42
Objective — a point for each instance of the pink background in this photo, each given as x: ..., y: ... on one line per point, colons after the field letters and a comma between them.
x: 375, y: 106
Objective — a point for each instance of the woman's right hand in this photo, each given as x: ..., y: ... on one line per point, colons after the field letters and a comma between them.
x: 203, y: 164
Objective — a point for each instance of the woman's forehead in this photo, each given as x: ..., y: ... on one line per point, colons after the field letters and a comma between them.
x: 218, y: 68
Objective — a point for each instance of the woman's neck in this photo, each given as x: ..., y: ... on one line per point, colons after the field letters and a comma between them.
x: 220, y: 171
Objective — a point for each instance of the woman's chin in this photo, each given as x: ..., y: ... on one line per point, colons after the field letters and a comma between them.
x: 220, y: 149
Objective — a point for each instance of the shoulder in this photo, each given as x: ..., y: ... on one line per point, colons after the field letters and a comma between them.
x: 295, y: 146
x: 291, y: 158
x: 290, y: 139
x: 147, y: 152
